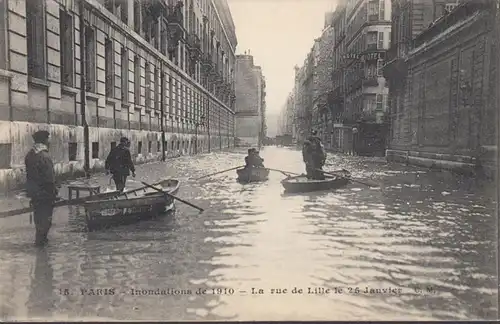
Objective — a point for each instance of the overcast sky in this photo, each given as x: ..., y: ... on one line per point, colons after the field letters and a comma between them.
x: 279, y: 34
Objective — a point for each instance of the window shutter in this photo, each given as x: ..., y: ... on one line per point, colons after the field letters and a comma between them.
x: 380, y: 40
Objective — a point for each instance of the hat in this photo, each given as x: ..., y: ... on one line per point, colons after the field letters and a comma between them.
x: 124, y: 140
x: 314, y: 132
x: 250, y: 150
x: 41, y: 136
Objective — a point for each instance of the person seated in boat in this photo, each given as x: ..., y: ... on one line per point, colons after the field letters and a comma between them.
x: 253, y: 160
x: 119, y: 163
x: 314, y: 157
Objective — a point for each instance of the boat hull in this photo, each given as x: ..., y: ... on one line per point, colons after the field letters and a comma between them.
x: 252, y: 175
x: 300, y: 184
x: 116, y: 211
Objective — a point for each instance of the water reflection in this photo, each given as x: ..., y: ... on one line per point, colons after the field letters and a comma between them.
x: 41, y: 297
x: 419, y: 229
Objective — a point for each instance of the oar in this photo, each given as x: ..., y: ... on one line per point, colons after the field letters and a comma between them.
x: 351, y: 179
x: 284, y: 172
x: 208, y: 175
x: 65, y: 202
x: 168, y: 194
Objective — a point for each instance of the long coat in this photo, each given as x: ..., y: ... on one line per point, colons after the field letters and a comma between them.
x: 40, y: 176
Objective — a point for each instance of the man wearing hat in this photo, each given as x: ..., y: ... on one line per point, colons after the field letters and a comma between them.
x: 314, y: 156
x: 41, y: 185
x: 119, y: 163
x: 253, y: 160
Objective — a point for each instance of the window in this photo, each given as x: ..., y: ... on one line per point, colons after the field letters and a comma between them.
x: 173, y: 144
x: 139, y: 147
x: 371, y: 40
x: 90, y: 59
x: 148, y: 85
x: 150, y: 145
x: 113, y: 145
x: 36, y: 33
x: 380, y: 40
x: 124, y: 74
x: 373, y: 10
x: 382, y: 10
x: 137, y: 17
x: 72, y: 149
x: 109, y: 67
x: 170, y: 93
x: 95, y: 150
x: 380, y: 65
x: 178, y: 145
x: 66, y: 46
x: 5, y: 155
x: 118, y: 8
x: 156, y: 95
x: 3, y: 34
x: 380, y: 102
x: 158, y: 146
x: 137, y: 80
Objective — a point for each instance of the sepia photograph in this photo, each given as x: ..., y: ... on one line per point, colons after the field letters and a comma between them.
x: 249, y: 160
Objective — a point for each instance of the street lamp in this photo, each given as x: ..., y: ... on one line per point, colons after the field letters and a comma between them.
x: 196, y: 125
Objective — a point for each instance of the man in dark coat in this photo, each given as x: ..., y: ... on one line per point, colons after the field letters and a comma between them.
x: 314, y: 157
x: 253, y: 160
x: 41, y: 185
x: 119, y: 163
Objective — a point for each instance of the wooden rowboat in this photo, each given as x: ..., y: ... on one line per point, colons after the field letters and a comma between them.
x: 246, y: 175
x: 300, y: 183
x: 127, y: 208
x: 73, y: 202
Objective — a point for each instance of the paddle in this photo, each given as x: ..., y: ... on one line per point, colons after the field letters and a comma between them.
x: 168, y: 194
x: 286, y: 173
x: 65, y: 202
x: 351, y: 179
x: 208, y: 175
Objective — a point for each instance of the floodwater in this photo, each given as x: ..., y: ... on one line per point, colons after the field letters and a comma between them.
x: 422, y: 246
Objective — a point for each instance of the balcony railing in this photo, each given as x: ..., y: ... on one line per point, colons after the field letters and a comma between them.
x: 370, y: 81
x: 207, y: 61
x: 371, y: 46
x: 176, y: 19
x: 373, y: 17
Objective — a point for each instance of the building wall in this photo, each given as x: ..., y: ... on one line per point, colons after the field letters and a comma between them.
x: 40, y: 87
x: 322, y: 118
x: 444, y: 109
x: 250, y: 100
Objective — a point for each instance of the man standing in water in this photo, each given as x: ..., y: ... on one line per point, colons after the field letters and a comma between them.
x: 119, y: 163
x: 41, y: 185
x: 314, y: 157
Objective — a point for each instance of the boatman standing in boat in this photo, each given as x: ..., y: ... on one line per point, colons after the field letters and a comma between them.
x: 253, y: 160
x: 119, y: 163
x: 41, y: 185
x: 314, y: 157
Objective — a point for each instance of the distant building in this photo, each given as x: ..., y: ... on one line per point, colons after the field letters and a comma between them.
x: 250, y: 101
x: 441, y: 70
x: 287, y: 117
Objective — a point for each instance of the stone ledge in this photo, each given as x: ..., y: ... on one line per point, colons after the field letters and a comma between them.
x: 439, y: 161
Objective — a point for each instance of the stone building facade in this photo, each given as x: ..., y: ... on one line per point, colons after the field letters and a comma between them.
x: 159, y: 72
x: 250, y: 101
x: 322, y: 103
x: 287, y: 117
x: 367, y: 37
x: 443, y: 86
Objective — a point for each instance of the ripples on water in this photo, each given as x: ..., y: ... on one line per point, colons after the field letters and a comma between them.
x: 419, y: 229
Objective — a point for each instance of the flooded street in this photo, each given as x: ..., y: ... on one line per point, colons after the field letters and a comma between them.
x: 425, y: 239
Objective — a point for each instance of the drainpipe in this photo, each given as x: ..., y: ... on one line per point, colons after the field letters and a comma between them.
x: 83, y: 95
x: 208, y: 122
x: 162, y: 112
